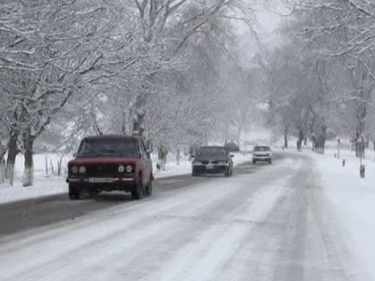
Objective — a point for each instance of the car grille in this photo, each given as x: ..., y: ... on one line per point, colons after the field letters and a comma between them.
x: 102, y: 170
x: 214, y: 162
x: 219, y: 162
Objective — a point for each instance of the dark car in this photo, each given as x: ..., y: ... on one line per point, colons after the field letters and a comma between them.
x: 107, y: 163
x: 212, y: 160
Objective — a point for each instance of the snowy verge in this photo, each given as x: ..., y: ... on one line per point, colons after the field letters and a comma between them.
x: 51, y: 185
x: 352, y: 198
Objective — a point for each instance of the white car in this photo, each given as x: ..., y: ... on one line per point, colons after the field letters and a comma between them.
x: 262, y: 153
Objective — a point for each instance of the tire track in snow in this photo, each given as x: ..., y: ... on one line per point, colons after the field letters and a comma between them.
x: 36, y: 251
x: 200, y: 261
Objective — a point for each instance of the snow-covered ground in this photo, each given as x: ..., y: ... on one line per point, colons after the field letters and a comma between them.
x: 353, y: 200
x: 211, y: 231
x: 273, y: 223
x: 50, y: 184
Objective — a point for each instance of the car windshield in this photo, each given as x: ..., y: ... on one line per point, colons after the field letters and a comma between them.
x: 211, y: 151
x: 261, y: 148
x: 108, y: 147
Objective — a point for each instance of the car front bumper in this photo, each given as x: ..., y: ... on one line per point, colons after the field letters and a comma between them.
x: 210, y: 168
x: 102, y: 183
x: 262, y: 157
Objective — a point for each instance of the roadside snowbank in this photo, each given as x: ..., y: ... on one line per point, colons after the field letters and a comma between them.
x: 50, y: 184
x: 353, y: 199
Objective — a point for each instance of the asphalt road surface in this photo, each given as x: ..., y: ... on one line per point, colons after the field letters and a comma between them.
x: 27, y: 214
x: 267, y: 222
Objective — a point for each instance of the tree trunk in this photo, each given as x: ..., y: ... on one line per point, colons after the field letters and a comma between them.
x: 138, y: 126
x: 359, y: 139
x: 313, y: 142
x: 285, y: 137
x: 12, y: 154
x: 3, y: 150
x: 300, y: 140
x: 2, y: 169
x: 320, y: 144
x: 126, y: 122
x: 162, y: 157
x: 28, y: 176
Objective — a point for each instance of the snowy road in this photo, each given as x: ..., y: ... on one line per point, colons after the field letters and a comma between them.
x: 266, y: 223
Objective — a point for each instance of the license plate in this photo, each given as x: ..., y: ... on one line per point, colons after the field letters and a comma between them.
x: 100, y: 180
x: 210, y: 166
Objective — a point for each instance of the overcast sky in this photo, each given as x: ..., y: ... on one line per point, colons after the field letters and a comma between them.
x: 270, y: 19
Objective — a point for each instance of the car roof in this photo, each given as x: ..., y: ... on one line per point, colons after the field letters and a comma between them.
x: 265, y: 146
x: 212, y: 146
x: 111, y: 137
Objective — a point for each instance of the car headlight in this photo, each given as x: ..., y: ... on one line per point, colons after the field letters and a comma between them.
x: 121, y: 168
x: 82, y: 169
x: 197, y: 163
x: 74, y: 170
x: 129, y: 168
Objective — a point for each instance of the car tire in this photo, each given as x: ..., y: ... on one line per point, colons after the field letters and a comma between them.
x: 149, y: 188
x: 270, y: 161
x: 227, y: 173
x: 254, y: 162
x: 74, y: 194
x: 137, y: 193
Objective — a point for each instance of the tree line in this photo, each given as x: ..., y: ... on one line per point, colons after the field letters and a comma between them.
x: 320, y: 80
x: 166, y: 69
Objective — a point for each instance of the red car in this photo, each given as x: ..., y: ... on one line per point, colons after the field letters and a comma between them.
x: 111, y: 162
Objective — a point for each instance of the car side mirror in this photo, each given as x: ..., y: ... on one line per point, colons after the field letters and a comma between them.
x: 74, y: 155
x: 232, y: 155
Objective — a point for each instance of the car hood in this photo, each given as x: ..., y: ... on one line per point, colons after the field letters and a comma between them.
x: 103, y: 160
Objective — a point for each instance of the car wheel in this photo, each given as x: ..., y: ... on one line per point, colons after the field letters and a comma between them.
x: 74, y: 194
x: 270, y: 161
x: 254, y: 162
x: 137, y: 193
x: 227, y: 173
x: 149, y: 188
